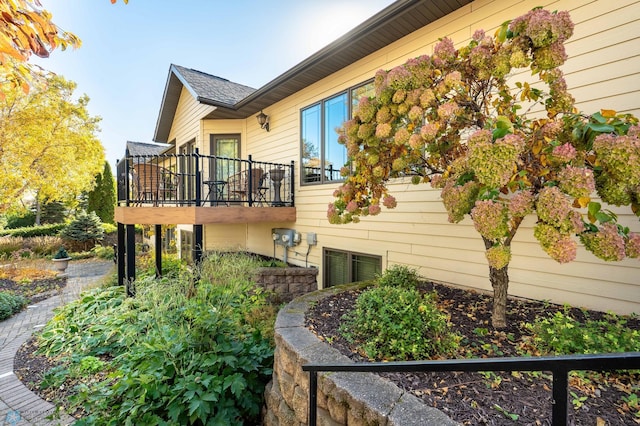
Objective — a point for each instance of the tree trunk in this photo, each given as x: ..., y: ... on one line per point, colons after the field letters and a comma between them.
x: 500, y: 283
x: 38, y: 211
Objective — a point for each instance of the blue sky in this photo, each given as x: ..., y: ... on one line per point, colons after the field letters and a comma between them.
x: 127, y: 49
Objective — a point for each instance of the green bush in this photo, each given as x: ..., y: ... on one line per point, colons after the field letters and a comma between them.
x: 25, y: 218
x: 83, y: 232
x: 563, y: 335
x: 392, y: 323
x: 102, y: 252
x: 109, y: 228
x: 61, y: 253
x: 172, y: 265
x: 10, y: 304
x: 399, y: 276
x: 179, y: 353
x: 34, y: 231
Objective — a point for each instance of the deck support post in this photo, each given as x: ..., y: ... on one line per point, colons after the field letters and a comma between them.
x: 198, y: 246
x: 158, y: 244
x: 120, y: 251
x: 131, y: 259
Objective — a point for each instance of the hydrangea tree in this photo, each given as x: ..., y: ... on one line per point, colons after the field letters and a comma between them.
x: 499, y: 149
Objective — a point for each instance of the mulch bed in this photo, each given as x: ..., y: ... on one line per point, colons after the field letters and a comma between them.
x: 35, y: 290
x: 493, y: 398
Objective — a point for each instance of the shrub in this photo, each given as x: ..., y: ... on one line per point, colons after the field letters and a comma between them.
x: 10, y: 304
x: 34, y: 231
x: 102, y: 252
x: 392, y: 323
x: 83, y: 232
x: 562, y: 334
x: 61, y: 253
x: 109, y: 228
x: 172, y: 266
x: 180, y: 354
x: 399, y: 276
x: 22, y: 219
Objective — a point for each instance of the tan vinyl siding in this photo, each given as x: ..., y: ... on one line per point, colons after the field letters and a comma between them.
x: 225, y: 237
x: 222, y: 127
x: 602, y: 72
x: 186, y: 122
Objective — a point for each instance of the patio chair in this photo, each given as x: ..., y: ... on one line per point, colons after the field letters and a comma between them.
x: 239, y: 188
x: 154, y: 183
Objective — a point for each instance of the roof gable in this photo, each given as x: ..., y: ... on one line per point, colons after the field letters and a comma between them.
x: 211, y: 88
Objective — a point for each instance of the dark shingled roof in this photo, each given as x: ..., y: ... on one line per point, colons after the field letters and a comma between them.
x: 233, y: 101
x: 207, y: 87
x: 147, y: 148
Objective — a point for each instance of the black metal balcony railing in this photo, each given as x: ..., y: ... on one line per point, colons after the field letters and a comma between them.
x: 317, y: 174
x: 203, y: 180
x: 558, y: 365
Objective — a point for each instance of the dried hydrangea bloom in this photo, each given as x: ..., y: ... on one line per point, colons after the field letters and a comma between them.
x: 490, y: 219
x: 521, y: 204
x: 558, y: 245
x: 633, y: 245
x: 577, y: 181
x: 498, y: 256
x: 606, y: 243
x: 459, y: 200
x: 564, y: 153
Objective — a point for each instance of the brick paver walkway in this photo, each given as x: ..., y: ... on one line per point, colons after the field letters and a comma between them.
x: 18, y: 405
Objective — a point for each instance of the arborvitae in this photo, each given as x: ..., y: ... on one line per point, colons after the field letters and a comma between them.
x: 102, y: 199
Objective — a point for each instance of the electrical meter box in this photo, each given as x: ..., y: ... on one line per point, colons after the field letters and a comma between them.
x: 285, y: 237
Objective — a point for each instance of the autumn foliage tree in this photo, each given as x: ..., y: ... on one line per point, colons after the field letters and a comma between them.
x: 498, y: 148
x: 26, y: 29
x: 48, y: 144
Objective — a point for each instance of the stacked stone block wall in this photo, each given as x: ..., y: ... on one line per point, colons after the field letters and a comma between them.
x: 351, y: 399
x: 287, y: 283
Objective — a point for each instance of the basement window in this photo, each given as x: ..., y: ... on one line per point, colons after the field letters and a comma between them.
x: 343, y: 267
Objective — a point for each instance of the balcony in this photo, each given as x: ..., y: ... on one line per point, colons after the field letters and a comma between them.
x: 202, y: 189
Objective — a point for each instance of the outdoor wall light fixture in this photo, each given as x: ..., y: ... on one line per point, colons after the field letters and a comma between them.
x: 263, y: 120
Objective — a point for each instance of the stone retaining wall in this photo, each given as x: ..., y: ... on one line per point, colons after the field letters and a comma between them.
x: 287, y: 283
x: 353, y: 399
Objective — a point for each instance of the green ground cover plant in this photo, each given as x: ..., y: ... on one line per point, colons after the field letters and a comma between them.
x: 10, y: 304
x: 563, y: 334
x: 184, y: 351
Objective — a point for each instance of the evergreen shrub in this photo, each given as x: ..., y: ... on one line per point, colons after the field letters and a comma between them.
x: 10, y: 304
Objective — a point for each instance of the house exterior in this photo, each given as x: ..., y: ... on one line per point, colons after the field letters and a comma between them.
x: 307, y: 102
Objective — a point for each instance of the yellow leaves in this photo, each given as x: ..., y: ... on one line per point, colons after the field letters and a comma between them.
x: 47, y: 139
x: 608, y: 113
x: 581, y: 202
x: 537, y: 147
x: 25, y: 29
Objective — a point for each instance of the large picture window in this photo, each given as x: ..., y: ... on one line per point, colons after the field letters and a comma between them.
x: 321, y: 154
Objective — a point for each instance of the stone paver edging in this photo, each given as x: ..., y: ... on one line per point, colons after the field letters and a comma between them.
x: 343, y: 398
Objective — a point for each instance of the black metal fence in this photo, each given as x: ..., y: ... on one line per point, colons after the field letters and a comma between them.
x: 558, y: 365
x: 203, y: 180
